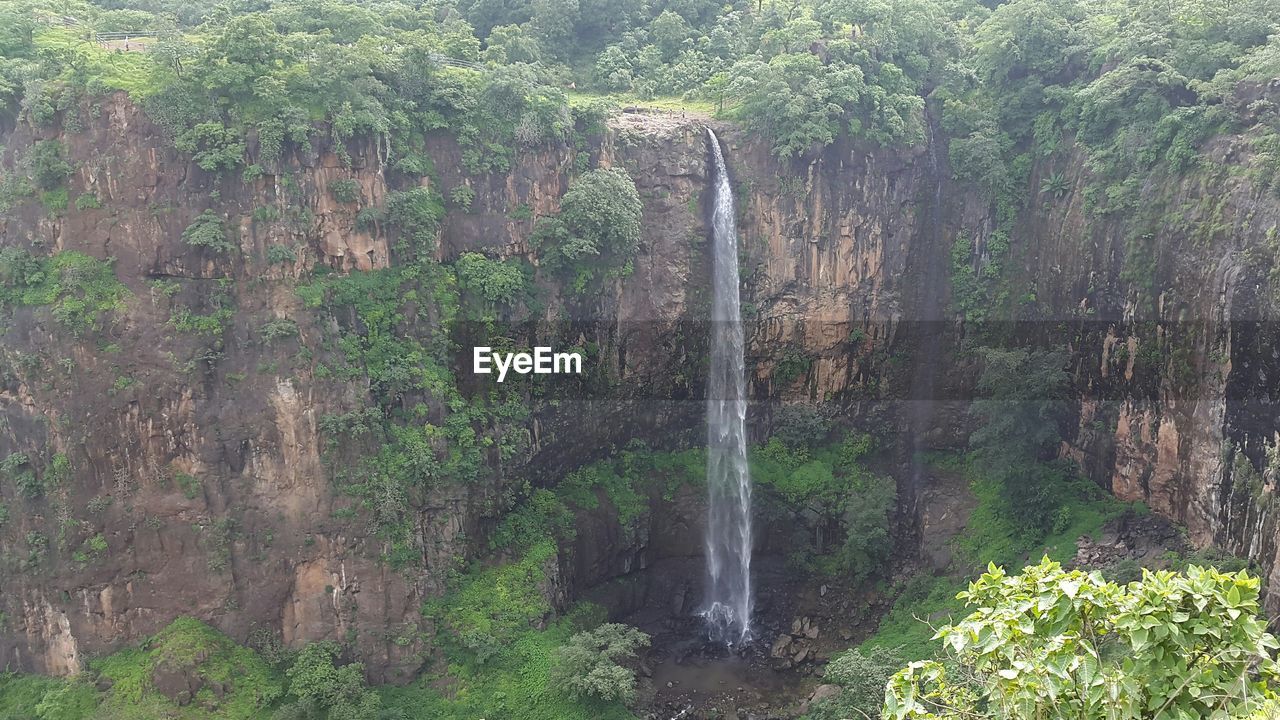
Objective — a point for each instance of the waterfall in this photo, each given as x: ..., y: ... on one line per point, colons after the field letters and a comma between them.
x: 727, y: 604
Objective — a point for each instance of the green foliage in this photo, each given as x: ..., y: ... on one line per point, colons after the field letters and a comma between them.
x: 994, y: 533
x: 590, y: 664
x: 417, y: 431
x: 462, y: 196
x: 281, y: 254
x: 19, y: 471
x: 78, y: 289
x: 596, y: 232
x: 213, y: 146
x: 1023, y: 402
x: 840, y: 509
x: 250, y: 686
x: 277, y: 329
x: 497, y: 605
x: 49, y: 167
x: 325, y: 690
x: 500, y: 282
x: 793, y: 365
x: 541, y: 515
x: 33, y: 697
x: 417, y: 214
x: 208, y: 230
x: 862, y: 679
x: 345, y: 190
x: 1049, y: 642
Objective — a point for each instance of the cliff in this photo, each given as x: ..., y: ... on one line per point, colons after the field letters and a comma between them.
x: 187, y: 469
x: 193, y: 472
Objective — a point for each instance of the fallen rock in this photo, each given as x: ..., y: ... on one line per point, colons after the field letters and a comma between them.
x: 779, y: 648
x: 820, y: 693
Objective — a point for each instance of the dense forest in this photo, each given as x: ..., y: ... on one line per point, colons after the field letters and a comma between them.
x: 414, y: 121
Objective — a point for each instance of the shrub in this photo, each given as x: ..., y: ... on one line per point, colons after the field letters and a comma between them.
x: 208, y: 231
x: 862, y: 679
x: 335, y: 691
x: 497, y: 281
x: 213, y: 146
x: 590, y: 664
x: 345, y: 190
x: 49, y: 168
x: 462, y: 196
x: 597, y: 230
x: 281, y: 254
x: 276, y: 329
x: 417, y: 214
x: 1052, y: 643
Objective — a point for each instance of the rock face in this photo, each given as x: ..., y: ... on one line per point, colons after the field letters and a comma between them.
x: 205, y: 479
x: 198, y: 462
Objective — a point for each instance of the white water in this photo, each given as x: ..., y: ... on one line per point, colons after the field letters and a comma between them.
x: 727, y: 604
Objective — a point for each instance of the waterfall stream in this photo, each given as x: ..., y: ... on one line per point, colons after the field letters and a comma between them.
x: 727, y: 603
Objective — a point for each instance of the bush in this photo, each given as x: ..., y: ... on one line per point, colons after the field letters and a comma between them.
x: 325, y: 690
x: 345, y: 190
x: 1052, y: 643
x: 417, y: 213
x: 862, y: 680
x: 497, y: 281
x: 208, y: 231
x: 49, y: 167
x: 462, y: 196
x: 800, y: 425
x: 1023, y: 403
x: 597, y: 229
x: 590, y: 663
x: 281, y: 254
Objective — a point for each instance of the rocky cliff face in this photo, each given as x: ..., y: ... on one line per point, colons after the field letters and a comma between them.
x: 196, y: 480
x: 1168, y: 307
x: 193, y: 477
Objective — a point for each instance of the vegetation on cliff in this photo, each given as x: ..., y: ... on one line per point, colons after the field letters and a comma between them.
x: 250, y: 91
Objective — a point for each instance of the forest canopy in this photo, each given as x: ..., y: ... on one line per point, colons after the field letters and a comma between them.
x: 1134, y: 81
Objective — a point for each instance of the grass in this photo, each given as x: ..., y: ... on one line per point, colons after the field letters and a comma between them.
x: 671, y: 104
x: 133, y: 72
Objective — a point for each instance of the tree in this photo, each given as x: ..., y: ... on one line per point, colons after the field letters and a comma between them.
x: 669, y: 32
x: 553, y: 23
x: 327, y: 692
x: 1056, y: 644
x: 597, y: 229
x: 498, y: 282
x: 1024, y: 400
x: 590, y: 663
x: 49, y: 167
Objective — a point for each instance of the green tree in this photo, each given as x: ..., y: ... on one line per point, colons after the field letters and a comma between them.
x: 590, y: 664
x: 1023, y: 402
x: 49, y: 167
x: 326, y: 691
x: 597, y: 230
x: 1056, y: 644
